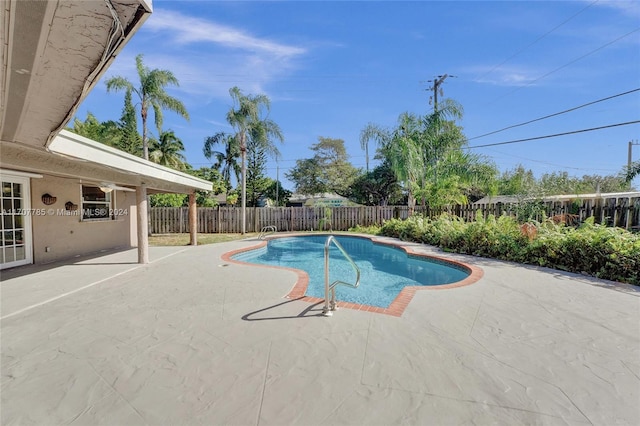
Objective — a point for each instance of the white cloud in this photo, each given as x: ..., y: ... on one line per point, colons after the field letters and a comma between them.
x: 629, y: 8
x: 218, y: 123
x: 185, y: 29
x: 230, y: 57
x: 505, y: 75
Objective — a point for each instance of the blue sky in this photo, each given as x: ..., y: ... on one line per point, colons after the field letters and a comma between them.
x: 330, y: 68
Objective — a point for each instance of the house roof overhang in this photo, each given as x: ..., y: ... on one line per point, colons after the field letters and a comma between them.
x: 73, y: 156
x: 51, y: 54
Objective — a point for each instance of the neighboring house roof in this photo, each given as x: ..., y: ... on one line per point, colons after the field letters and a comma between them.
x: 304, y: 197
x: 494, y: 199
x: 52, y: 53
x: 93, y: 162
x: 326, y: 198
x: 565, y: 197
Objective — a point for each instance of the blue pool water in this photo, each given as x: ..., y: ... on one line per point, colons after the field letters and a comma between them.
x: 384, y: 271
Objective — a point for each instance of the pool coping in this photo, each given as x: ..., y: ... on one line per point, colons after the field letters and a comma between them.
x: 402, y: 300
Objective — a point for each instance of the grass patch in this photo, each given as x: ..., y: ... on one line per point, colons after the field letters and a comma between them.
x: 183, y: 239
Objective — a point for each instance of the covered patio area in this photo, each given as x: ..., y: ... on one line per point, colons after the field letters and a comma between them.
x: 189, y: 339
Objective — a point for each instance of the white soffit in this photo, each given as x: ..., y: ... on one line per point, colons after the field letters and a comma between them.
x: 51, y: 54
x: 6, y: 172
x: 78, y: 147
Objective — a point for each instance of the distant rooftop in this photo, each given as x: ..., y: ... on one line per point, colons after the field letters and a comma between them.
x: 514, y: 199
x: 326, y: 198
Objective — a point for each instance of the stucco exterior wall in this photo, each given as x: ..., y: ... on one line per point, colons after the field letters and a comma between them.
x: 67, y: 235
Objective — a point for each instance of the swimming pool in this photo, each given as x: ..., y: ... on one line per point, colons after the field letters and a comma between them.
x: 385, y: 271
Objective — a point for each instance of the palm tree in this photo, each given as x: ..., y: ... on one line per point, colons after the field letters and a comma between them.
x: 167, y: 151
x: 245, y: 118
x: 632, y: 171
x: 375, y: 133
x: 151, y: 94
x: 425, y: 153
x: 400, y: 150
x: 438, y: 137
x: 262, y: 134
x: 405, y: 155
x: 226, y: 161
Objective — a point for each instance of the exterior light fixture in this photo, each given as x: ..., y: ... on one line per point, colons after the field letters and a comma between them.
x: 107, y: 187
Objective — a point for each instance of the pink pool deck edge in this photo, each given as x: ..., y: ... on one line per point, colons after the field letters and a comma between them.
x: 399, y: 304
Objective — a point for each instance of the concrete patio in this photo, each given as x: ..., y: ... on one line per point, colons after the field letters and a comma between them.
x: 189, y: 339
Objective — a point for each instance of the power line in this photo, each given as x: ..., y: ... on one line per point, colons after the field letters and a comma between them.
x: 537, y: 40
x: 555, y: 114
x: 554, y: 135
x: 568, y: 63
x: 527, y: 159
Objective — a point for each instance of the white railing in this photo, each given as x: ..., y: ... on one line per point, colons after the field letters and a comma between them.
x: 267, y: 230
x: 330, y: 304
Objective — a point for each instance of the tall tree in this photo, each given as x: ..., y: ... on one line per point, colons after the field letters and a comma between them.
x: 277, y: 193
x: 260, y: 145
x: 405, y: 154
x: 106, y: 132
x: 89, y: 128
x: 226, y: 161
x: 257, y: 182
x: 375, y: 133
x: 249, y: 114
x: 378, y: 187
x: 630, y: 173
x: 328, y: 171
x: 425, y: 153
x: 130, y: 140
x: 609, y: 183
x: 519, y: 181
x: 441, y: 140
x: 307, y: 177
x: 207, y: 198
x: 167, y: 150
x: 152, y: 95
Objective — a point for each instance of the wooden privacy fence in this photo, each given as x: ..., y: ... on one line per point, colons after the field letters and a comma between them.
x: 166, y: 220
x: 622, y: 212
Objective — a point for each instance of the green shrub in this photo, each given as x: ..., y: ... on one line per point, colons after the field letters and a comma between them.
x: 608, y: 253
x: 391, y: 228
x: 372, y: 230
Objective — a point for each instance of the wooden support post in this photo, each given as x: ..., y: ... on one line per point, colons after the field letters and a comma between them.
x: 193, y: 220
x: 256, y: 222
x: 142, y: 224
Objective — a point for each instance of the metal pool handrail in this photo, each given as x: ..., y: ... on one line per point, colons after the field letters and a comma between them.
x: 267, y: 230
x: 330, y: 305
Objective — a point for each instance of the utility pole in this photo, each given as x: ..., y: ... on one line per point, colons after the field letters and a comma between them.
x: 436, y: 87
x: 437, y: 82
x: 630, y: 156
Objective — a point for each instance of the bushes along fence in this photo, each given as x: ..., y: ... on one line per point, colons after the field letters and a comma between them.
x: 619, y: 212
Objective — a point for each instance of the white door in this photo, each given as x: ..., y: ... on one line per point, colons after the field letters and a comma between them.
x: 16, y: 248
